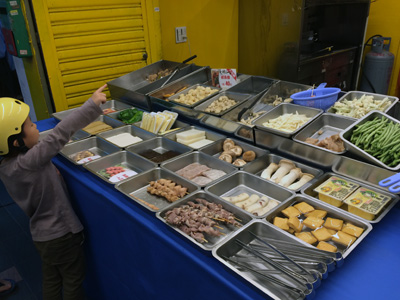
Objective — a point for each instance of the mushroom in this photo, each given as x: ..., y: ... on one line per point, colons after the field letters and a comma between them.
x: 303, y: 180
x: 226, y: 157
x: 231, y: 153
x: 249, y: 156
x: 237, y: 150
x: 239, y: 162
x: 228, y: 144
x: 284, y: 168
x: 293, y: 175
x: 267, y: 173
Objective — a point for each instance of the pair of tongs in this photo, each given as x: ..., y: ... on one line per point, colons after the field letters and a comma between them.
x: 246, y: 109
x: 393, y: 181
x: 177, y: 68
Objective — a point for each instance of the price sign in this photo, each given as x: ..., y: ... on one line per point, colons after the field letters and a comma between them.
x: 122, y: 176
x: 223, y: 78
x: 87, y: 159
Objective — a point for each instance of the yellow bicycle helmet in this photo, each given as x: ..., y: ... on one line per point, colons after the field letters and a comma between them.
x: 13, y: 114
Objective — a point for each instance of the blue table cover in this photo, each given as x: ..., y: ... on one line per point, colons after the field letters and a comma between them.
x: 133, y: 255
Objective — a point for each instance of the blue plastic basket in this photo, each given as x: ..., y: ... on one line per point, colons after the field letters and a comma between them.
x: 323, y: 98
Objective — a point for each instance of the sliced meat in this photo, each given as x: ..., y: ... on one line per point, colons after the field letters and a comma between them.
x: 201, y: 180
x: 214, y: 174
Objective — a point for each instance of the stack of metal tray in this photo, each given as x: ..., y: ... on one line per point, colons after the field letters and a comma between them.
x: 79, y: 135
x: 242, y: 182
x: 332, y: 212
x: 131, y: 129
x: 136, y: 188
x: 115, y: 105
x: 286, y: 108
x: 218, y: 124
x: 216, y: 149
x: 309, y: 191
x: 258, y: 166
x: 323, y: 127
x: 225, y: 228
x: 353, y: 95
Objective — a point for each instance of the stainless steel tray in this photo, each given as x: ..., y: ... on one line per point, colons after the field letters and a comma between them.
x: 178, y: 125
x: 353, y: 95
x: 232, y: 250
x: 329, y: 124
x: 246, y: 133
x: 347, y: 133
x: 62, y: 114
x: 160, y: 145
x: 219, y: 124
x: 136, y: 188
x: 309, y: 191
x: 258, y: 166
x: 132, y: 130
x: 242, y: 182
x: 333, y: 212
x: 114, y: 115
x: 127, y: 159
x: 239, y: 98
x: 210, y: 135
x: 115, y: 105
x: 201, y: 158
x: 185, y: 91
x: 79, y: 135
x: 394, y: 111
x: 253, y: 85
x: 216, y: 149
x: 109, y: 121
x: 226, y: 229
x: 286, y: 108
x: 93, y: 144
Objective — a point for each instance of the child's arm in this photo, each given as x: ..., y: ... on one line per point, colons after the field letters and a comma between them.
x: 46, y: 149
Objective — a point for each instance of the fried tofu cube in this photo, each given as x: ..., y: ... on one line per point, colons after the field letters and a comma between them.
x: 343, y: 238
x: 335, y: 224
x: 327, y: 247
x: 313, y: 222
x: 304, y: 207
x: 322, y: 234
x: 318, y: 213
x: 281, y: 223
x: 307, y: 237
x: 295, y: 224
x: 291, y: 212
x: 331, y: 231
x: 352, y: 229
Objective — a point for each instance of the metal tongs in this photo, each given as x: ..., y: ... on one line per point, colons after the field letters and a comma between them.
x: 394, y: 181
x: 177, y: 68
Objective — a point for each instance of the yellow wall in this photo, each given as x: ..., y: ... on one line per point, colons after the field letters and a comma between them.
x: 212, y: 29
x: 384, y: 19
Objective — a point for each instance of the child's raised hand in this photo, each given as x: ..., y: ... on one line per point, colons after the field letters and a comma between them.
x: 98, y: 97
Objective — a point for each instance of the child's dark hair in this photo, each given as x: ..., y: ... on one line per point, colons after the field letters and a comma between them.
x: 13, y: 150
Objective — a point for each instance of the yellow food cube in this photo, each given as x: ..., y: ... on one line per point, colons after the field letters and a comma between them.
x: 335, y: 224
x: 307, y: 237
x: 304, y: 207
x: 322, y: 234
x: 318, y: 213
x: 313, y: 223
x: 352, y: 229
x: 327, y: 247
x: 291, y: 212
x: 343, y: 238
x: 295, y: 224
x: 281, y: 223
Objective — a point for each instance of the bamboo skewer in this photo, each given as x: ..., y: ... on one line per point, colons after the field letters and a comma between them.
x: 145, y: 202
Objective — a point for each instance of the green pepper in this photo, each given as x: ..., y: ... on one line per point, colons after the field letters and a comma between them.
x: 129, y: 116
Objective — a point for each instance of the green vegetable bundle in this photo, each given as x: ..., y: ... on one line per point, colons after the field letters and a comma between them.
x: 380, y: 138
x: 130, y: 115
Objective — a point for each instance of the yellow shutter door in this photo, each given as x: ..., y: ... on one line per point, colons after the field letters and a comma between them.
x: 88, y: 43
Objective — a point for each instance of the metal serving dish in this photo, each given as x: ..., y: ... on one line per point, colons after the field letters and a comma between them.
x: 160, y: 145
x: 97, y: 146
x: 395, y: 111
x: 178, y: 125
x: 354, y: 95
x: 127, y: 160
x: 239, y: 98
x: 62, y: 114
x: 115, y: 105
x: 258, y: 166
x: 286, y: 108
x: 109, y: 121
x: 233, y: 251
x: 186, y: 91
x: 114, y: 115
x: 201, y: 158
x: 252, y: 85
x: 132, y: 130
x: 333, y: 212
x: 210, y: 135
x: 225, y: 229
x: 136, y: 188
x: 219, y: 124
x: 79, y: 135
x: 329, y: 124
x: 216, y: 149
x: 242, y: 182
x: 245, y: 133
x: 347, y: 133
x: 309, y: 191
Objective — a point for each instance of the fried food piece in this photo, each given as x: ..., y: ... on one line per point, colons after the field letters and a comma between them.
x: 322, y: 234
x: 291, y: 212
x: 313, y: 222
x: 326, y: 247
x: 281, y: 223
x: 343, y: 238
x: 307, y: 237
x: 352, y: 229
x: 335, y: 224
x: 318, y: 213
x: 304, y: 207
x: 295, y: 224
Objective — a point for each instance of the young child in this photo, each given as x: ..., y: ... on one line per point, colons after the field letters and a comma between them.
x: 37, y: 187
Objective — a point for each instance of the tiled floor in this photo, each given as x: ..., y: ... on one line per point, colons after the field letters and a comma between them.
x: 19, y: 259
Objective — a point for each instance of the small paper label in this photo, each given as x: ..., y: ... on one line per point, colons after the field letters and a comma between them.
x: 156, y: 9
x: 13, y: 3
x: 14, y: 12
x: 223, y: 78
x: 122, y: 176
x: 87, y: 159
x: 23, y: 52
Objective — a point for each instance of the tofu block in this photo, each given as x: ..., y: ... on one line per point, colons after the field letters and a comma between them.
x: 307, y: 237
x: 313, y: 222
x: 352, y: 229
x: 322, y: 234
x: 295, y: 224
x: 190, y: 141
x: 335, y: 224
x: 191, y: 134
x: 331, y: 231
x: 291, y: 212
x: 327, y: 247
x: 343, y: 238
x: 318, y: 213
x: 304, y: 207
x: 281, y: 223
x: 201, y: 143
